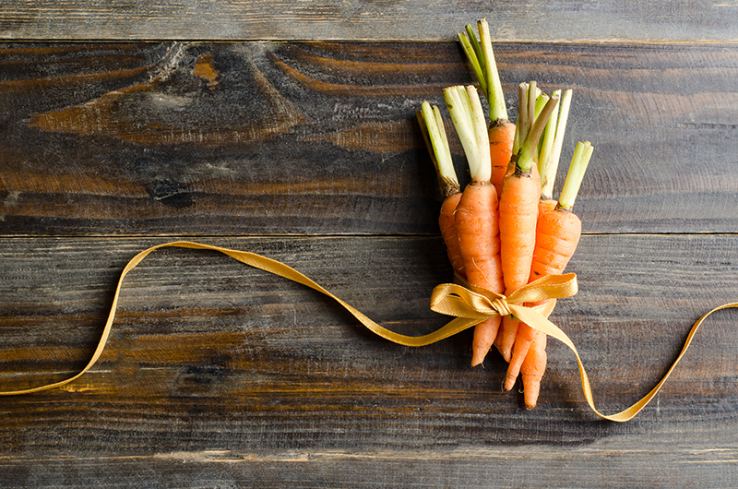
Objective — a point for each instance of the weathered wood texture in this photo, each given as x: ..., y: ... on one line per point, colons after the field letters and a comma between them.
x: 320, y: 138
x: 522, y: 20
x: 217, y: 374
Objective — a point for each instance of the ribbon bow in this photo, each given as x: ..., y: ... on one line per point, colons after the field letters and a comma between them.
x: 476, y: 305
x: 469, y: 308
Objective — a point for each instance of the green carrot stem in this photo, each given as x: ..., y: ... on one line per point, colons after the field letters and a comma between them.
x: 521, y: 127
x: 434, y: 133
x: 468, y: 117
x: 553, y: 158
x: 540, y: 102
x: 442, y: 130
x: 546, y: 166
x: 529, y: 151
x: 473, y: 57
x: 475, y: 45
x: 478, y: 121
x: 495, y: 95
x: 577, y: 168
x: 532, y: 95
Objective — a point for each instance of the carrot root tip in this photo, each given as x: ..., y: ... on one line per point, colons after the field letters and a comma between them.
x: 478, y: 356
x: 530, y: 393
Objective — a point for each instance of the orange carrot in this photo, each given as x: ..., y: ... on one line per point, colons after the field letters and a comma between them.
x: 476, y: 214
x: 509, y: 330
x: 534, y: 367
x: 501, y: 132
x: 557, y: 238
x: 501, y: 136
x: 548, y: 162
x: 447, y: 225
x: 517, y: 343
x: 434, y: 133
x: 520, y: 196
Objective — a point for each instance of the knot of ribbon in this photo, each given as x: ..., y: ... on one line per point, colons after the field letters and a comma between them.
x: 475, y: 305
x: 468, y: 307
x: 500, y: 306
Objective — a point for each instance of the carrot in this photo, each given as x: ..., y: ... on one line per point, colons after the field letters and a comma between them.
x: 434, y: 134
x: 501, y: 133
x: 534, y: 367
x: 557, y: 238
x: 516, y: 341
x: 519, y: 199
x: 476, y: 215
x: 548, y: 162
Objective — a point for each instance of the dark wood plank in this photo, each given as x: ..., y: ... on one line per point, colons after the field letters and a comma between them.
x: 522, y: 20
x: 584, y: 467
x: 320, y: 138
x: 222, y: 373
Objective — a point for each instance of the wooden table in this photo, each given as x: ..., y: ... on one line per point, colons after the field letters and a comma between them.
x: 287, y: 128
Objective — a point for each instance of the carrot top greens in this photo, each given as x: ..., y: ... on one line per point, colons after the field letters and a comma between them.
x: 577, y: 168
x: 481, y: 57
x: 434, y: 134
x: 468, y: 117
x: 553, y: 140
x: 531, y: 123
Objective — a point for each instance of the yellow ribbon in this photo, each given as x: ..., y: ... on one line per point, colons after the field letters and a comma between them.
x: 468, y: 307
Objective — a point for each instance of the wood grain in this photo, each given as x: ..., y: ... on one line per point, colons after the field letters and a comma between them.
x: 577, y: 467
x: 320, y: 137
x: 522, y: 20
x: 217, y: 373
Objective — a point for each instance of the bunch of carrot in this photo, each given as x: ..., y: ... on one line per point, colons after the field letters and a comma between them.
x: 505, y: 229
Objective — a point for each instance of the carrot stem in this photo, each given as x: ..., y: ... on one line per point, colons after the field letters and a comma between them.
x: 532, y: 95
x: 475, y: 44
x: 434, y: 133
x: 546, y: 167
x: 540, y: 103
x: 529, y: 150
x: 495, y: 95
x: 472, y: 50
x: 577, y: 168
x: 521, y: 128
x: 468, y: 117
x: 548, y: 176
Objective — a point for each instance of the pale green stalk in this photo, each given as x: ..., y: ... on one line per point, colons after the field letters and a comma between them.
x: 577, y: 168
x: 475, y: 45
x: 546, y: 166
x: 521, y: 127
x: 442, y: 130
x: 468, y: 117
x: 434, y: 134
x: 540, y: 102
x: 532, y: 95
x: 529, y: 151
x: 480, y: 127
x: 558, y: 143
x: 472, y: 56
x: 495, y: 95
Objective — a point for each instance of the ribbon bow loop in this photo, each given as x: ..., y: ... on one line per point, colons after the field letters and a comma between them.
x: 479, y: 304
x: 461, y: 302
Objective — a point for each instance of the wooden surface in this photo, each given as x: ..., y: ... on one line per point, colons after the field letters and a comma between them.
x: 190, y: 138
x: 521, y: 20
x: 222, y: 376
